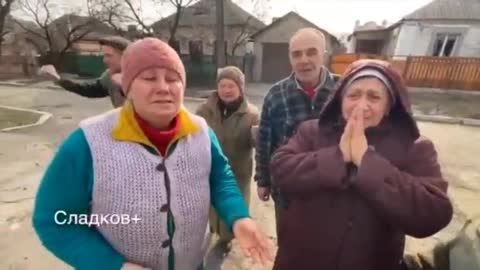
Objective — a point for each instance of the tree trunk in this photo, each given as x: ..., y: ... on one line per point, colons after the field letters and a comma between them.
x: 173, y: 30
x: 4, y: 11
x: 220, y: 34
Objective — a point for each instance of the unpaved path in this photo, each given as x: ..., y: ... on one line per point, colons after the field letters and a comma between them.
x: 24, y: 154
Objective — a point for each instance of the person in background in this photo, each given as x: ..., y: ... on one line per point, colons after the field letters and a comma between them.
x: 232, y: 117
x: 104, y: 86
x: 360, y: 178
x: 151, y: 165
x: 290, y: 102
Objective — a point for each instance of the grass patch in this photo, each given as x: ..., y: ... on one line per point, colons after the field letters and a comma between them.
x: 11, y: 118
x: 455, y: 105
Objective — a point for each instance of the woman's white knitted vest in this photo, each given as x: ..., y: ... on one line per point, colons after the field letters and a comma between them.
x: 127, y: 182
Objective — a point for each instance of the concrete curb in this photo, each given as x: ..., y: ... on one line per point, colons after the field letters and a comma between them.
x: 44, y: 116
x: 447, y: 120
x: 12, y: 84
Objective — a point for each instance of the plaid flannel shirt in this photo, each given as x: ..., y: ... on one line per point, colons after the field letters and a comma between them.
x: 285, y: 106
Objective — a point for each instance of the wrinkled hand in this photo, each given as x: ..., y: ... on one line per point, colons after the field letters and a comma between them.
x: 131, y: 266
x: 358, y: 142
x: 253, y: 243
x: 49, y: 72
x: 263, y: 193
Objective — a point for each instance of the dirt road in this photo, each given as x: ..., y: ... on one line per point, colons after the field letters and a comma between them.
x: 24, y: 154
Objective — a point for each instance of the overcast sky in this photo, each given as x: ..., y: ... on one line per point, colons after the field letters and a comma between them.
x: 335, y: 16
x: 338, y: 16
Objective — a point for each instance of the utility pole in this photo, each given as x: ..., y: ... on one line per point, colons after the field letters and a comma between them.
x: 220, y: 34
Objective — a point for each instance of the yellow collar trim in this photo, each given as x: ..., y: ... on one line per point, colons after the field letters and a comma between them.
x: 127, y: 128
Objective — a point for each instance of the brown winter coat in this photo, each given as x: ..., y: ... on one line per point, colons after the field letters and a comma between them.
x: 235, y: 137
x: 348, y: 218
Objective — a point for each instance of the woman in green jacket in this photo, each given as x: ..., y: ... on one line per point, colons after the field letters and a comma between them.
x: 232, y: 117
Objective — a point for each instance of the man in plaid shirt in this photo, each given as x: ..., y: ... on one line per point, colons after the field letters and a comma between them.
x: 289, y: 102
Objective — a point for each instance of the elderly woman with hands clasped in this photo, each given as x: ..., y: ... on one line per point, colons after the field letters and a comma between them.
x: 360, y: 178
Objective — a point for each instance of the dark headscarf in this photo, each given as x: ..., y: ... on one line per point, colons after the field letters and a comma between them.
x: 400, y: 117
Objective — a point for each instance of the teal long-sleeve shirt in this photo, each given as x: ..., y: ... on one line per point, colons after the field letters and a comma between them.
x: 67, y: 186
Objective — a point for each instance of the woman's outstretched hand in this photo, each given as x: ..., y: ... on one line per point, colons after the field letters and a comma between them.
x: 253, y: 242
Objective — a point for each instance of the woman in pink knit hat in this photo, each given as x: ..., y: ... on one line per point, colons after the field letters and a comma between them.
x: 132, y: 188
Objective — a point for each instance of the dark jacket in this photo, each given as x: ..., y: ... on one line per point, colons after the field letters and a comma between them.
x: 101, y: 87
x: 285, y: 106
x: 341, y: 217
x: 234, y: 135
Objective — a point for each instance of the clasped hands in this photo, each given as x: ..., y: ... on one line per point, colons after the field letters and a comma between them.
x: 353, y: 142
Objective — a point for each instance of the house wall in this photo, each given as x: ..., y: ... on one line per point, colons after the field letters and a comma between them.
x: 352, y: 44
x: 417, y: 38
x: 207, y: 35
x: 18, y: 57
x: 392, y: 40
x: 279, y: 33
x: 385, y: 36
x: 471, y: 42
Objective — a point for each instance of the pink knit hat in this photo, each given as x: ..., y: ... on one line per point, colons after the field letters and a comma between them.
x: 149, y: 53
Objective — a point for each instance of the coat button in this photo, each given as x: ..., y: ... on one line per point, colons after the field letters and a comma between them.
x: 166, y: 243
x: 164, y: 208
x: 161, y: 167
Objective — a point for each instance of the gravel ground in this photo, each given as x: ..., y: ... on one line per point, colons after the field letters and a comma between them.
x: 24, y: 154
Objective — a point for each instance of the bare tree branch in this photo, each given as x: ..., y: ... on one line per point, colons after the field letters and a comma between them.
x: 110, y: 12
x: 59, y: 36
x: 73, y: 35
x: 179, y: 6
x: 242, y: 36
x: 137, y: 17
x: 29, y: 30
x: 35, y: 13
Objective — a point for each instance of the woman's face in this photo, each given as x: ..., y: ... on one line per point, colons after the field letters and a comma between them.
x: 371, y: 95
x: 228, y: 90
x: 157, y: 95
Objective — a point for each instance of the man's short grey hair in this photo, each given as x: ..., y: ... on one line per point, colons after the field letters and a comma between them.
x: 310, y: 30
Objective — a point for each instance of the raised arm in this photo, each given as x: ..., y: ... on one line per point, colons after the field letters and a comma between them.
x: 92, y: 89
x: 225, y: 195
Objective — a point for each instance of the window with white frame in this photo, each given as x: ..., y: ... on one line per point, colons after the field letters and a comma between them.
x: 445, y: 44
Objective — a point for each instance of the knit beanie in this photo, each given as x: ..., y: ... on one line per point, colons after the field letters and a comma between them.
x: 233, y: 73
x: 149, y: 53
x: 373, y: 73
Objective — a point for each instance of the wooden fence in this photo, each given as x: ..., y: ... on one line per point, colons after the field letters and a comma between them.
x: 340, y: 62
x: 443, y: 72
x: 429, y: 72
